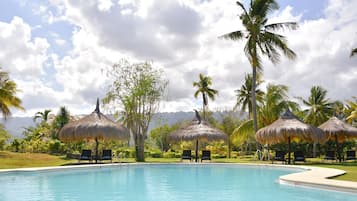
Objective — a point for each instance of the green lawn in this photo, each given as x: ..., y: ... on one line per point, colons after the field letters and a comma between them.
x: 20, y: 160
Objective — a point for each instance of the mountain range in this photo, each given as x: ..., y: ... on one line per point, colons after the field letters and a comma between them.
x: 16, y: 125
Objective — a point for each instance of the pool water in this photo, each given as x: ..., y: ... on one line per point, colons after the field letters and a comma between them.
x: 191, y: 182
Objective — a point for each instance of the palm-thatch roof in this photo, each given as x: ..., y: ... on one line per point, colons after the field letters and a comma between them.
x: 337, y: 128
x: 197, y: 129
x: 93, y: 126
x: 289, y: 126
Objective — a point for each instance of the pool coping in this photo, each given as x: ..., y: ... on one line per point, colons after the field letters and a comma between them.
x: 313, y: 177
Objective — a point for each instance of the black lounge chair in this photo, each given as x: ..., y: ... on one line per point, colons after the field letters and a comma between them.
x: 186, y: 155
x: 351, y: 155
x: 206, y: 155
x: 86, y: 155
x: 330, y: 155
x: 107, y: 155
x: 280, y: 156
x: 299, y: 156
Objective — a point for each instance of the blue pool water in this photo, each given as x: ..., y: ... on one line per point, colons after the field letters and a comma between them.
x: 214, y: 182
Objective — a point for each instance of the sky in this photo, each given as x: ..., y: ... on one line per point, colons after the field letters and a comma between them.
x: 57, y: 51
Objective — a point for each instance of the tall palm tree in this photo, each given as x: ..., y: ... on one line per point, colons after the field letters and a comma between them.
x: 275, y: 102
x: 353, y: 52
x: 203, y: 87
x: 244, y: 95
x: 8, y: 98
x: 42, y: 115
x: 261, y: 39
x: 62, y: 118
x: 319, y: 106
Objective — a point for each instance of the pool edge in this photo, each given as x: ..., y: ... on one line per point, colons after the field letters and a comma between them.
x: 315, y: 177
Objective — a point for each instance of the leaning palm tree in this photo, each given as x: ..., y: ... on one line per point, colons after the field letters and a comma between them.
x: 261, y: 39
x: 203, y: 87
x: 353, y: 52
x: 8, y: 98
x: 244, y: 95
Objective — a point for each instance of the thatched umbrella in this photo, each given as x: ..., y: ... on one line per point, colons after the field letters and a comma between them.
x: 198, y: 130
x: 95, y: 126
x: 289, y: 128
x: 339, y: 131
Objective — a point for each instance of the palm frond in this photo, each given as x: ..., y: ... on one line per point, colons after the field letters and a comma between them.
x: 282, y: 25
x: 235, y: 35
x: 353, y: 52
x: 243, y: 132
x: 279, y: 41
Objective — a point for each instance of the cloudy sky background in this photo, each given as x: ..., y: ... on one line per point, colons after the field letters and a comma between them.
x: 57, y: 51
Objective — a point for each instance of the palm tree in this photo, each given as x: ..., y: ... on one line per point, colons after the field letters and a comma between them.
x: 275, y: 102
x: 244, y: 95
x: 8, y: 98
x: 62, y: 118
x: 203, y: 86
x: 351, y: 111
x: 319, y: 107
x: 42, y: 115
x: 261, y: 39
x: 353, y: 52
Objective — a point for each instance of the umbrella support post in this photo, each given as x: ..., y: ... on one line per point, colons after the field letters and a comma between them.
x: 196, y: 151
x: 96, y: 150
x: 289, y: 158
x: 338, y: 150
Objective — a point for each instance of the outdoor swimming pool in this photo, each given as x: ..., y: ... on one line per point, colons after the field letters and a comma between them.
x: 160, y: 182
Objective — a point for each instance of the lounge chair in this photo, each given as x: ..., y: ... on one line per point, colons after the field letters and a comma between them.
x: 280, y: 156
x: 86, y: 155
x: 206, y: 155
x: 186, y: 155
x: 330, y: 155
x: 299, y: 156
x: 351, y: 155
x: 107, y: 155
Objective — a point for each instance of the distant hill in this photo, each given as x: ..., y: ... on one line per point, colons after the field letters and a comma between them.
x: 15, y: 125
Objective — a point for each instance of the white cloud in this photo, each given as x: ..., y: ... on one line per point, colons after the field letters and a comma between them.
x: 182, y: 37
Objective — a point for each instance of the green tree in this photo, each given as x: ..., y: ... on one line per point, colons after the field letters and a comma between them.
x: 261, y: 39
x: 203, y: 88
x: 43, y: 116
x: 159, y: 135
x: 275, y: 102
x: 62, y: 118
x: 4, y: 136
x: 244, y: 95
x: 8, y: 98
x: 138, y: 88
x: 353, y: 52
x: 351, y: 111
x: 319, y: 108
x: 228, y: 124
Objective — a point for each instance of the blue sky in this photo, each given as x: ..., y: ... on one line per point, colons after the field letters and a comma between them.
x: 58, y: 48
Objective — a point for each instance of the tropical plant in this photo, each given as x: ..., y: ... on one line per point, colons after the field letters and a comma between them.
x: 261, y: 39
x: 4, y: 136
x: 8, y: 98
x: 159, y: 136
x: 43, y: 116
x: 351, y: 111
x: 62, y: 118
x: 319, y: 108
x: 203, y: 88
x: 275, y: 102
x: 353, y: 52
x: 138, y: 88
x: 228, y: 124
x: 244, y: 95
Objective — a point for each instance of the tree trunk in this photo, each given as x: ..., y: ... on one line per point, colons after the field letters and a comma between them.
x: 229, y: 149
x: 139, y: 148
x: 254, y: 104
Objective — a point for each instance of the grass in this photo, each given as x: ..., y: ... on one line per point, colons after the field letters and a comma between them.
x: 10, y: 160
